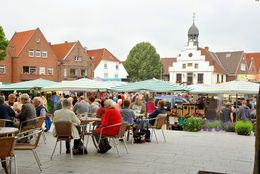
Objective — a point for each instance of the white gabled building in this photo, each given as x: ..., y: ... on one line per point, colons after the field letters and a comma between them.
x: 196, y: 65
x: 106, y: 65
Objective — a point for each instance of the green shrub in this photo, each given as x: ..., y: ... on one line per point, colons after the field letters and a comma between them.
x: 217, y: 125
x: 192, y: 124
x: 244, y: 127
x: 210, y: 125
x: 229, y: 127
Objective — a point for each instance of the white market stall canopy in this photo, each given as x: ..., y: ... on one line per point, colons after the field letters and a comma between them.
x: 79, y: 85
x: 232, y: 87
x: 152, y: 85
x: 27, y: 85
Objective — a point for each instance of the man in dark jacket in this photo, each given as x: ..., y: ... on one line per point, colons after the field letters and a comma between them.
x: 28, y: 111
x: 244, y: 112
x: 159, y: 110
x: 7, y: 112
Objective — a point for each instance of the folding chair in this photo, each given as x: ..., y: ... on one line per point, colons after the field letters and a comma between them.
x: 159, y: 122
x: 30, y: 146
x: 63, y: 133
x: 7, y: 150
x: 39, y: 124
x: 120, y: 134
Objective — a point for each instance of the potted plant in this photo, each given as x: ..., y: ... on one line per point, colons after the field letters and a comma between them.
x: 244, y: 127
x: 229, y: 127
x: 209, y: 125
x: 192, y: 124
x: 217, y: 125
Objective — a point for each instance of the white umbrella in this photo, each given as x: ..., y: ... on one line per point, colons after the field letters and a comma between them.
x: 79, y: 85
x: 232, y: 87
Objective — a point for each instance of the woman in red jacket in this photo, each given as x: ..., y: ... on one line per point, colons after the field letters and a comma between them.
x: 111, y: 117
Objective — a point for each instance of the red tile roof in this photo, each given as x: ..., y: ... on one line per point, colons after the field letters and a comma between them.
x: 256, y: 57
x: 19, y: 40
x: 101, y: 54
x: 167, y: 62
x: 214, y: 61
x: 61, y: 50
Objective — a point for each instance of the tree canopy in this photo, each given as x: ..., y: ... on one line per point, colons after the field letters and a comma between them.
x: 143, y: 62
x: 3, y: 43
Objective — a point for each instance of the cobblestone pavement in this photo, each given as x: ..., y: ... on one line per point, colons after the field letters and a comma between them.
x: 183, y: 153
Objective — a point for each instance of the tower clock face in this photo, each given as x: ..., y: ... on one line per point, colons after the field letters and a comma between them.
x: 190, y: 54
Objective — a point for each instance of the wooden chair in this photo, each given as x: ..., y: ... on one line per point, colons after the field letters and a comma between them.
x: 159, y: 122
x: 192, y: 109
x: 63, y: 133
x: 30, y: 146
x: 5, y: 122
x: 7, y: 150
x: 185, y: 110
x: 120, y: 134
x: 39, y: 124
x: 179, y: 110
x: 28, y: 124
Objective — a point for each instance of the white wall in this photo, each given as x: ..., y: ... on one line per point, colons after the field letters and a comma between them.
x: 111, y: 70
x: 204, y: 67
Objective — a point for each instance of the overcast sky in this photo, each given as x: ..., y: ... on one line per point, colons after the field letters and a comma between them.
x: 224, y: 25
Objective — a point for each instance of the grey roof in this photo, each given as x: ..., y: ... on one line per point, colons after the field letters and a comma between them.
x: 230, y: 60
x: 193, y: 30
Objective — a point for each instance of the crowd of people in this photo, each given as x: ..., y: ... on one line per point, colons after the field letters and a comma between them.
x: 112, y: 109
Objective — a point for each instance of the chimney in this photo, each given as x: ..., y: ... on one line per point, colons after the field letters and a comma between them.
x: 66, y: 42
x: 207, y: 48
x: 49, y: 43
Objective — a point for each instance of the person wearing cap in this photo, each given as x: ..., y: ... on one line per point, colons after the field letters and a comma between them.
x: 227, y: 113
x: 28, y: 110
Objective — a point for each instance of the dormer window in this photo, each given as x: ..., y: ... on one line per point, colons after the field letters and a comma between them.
x: 78, y: 58
x: 228, y: 55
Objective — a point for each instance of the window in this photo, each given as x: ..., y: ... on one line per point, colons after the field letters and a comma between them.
x: 200, y: 78
x: 196, y: 66
x: 189, y: 64
x: 42, y: 70
x: 38, y: 53
x: 222, y: 78
x: 78, y: 58
x: 50, y: 71
x: 31, y: 53
x: 2, y: 69
x: 73, y: 72
x: 183, y: 66
x: 65, y: 72
x: 228, y: 55
x: 178, y: 78
x: 105, y: 66
x: 116, y: 76
x: 190, y: 78
x: 83, y: 73
x: 44, y: 54
x: 243, y: 67
x: 29, y: 70
x: 217, y: 78
x: 105, y: 75
x: 117, y: 67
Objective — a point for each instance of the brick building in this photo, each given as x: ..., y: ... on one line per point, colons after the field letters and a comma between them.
x: 29, y: 56
x: 73, y: 61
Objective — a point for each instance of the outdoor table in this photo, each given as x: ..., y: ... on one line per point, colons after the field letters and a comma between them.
x: 139, y: 115
x: 85, y: 121
x: 5, y: 131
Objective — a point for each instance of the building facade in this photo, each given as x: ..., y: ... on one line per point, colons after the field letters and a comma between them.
x: 73, y: 61
x: 29, y: 57
x: 106, y: 65
x: 196, y: 65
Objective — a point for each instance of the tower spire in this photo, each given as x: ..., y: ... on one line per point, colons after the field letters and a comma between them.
x: 193, y: 17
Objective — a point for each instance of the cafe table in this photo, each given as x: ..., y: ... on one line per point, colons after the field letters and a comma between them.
x: 6, y: 131
x: 85, y: 122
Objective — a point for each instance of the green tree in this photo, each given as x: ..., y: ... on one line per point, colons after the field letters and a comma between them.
x: 3, y: 44
x: 143, y: 62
